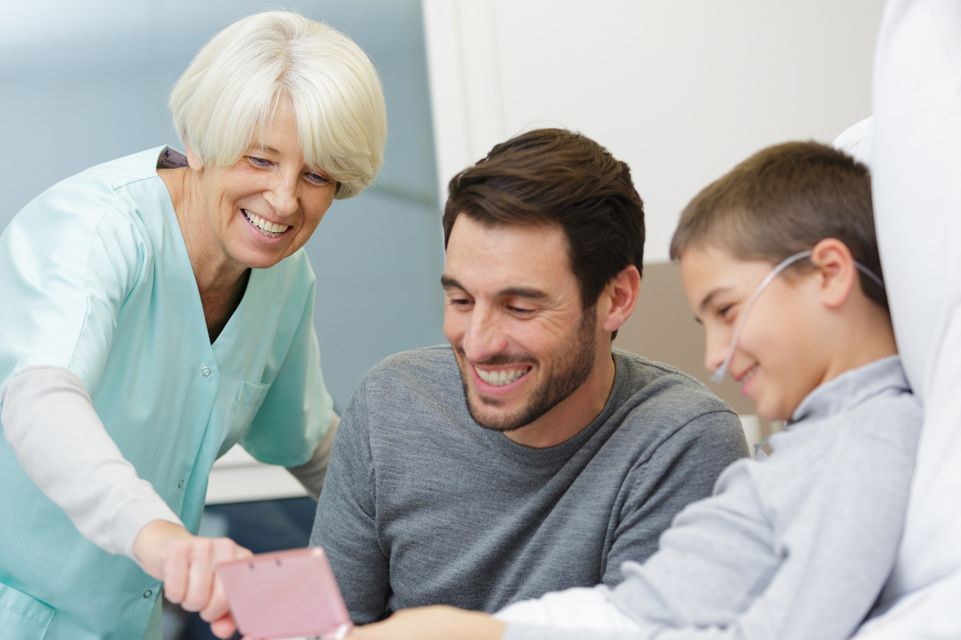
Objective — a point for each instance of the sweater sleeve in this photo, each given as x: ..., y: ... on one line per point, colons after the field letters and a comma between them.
x: 722, y: 573
x: 346, y: 525
x: 58, y: 438
x: 682, y: 470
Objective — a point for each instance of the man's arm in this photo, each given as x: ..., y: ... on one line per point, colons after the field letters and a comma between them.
x: 682, y: 470
x: 346, y: 524
x: 311, y: 474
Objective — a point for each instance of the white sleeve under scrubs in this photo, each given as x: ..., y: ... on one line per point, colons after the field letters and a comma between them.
x: 95, y: 279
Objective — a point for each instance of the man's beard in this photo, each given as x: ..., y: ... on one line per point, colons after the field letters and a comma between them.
x: 569, y: 372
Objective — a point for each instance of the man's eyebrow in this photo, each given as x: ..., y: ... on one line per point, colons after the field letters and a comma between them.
x: 523, y: 292
x: 448, y: 282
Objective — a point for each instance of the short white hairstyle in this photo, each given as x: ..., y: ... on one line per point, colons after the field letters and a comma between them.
x: 234, y: 85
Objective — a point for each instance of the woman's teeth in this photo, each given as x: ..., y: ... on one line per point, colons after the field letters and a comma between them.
x: 271, y: 228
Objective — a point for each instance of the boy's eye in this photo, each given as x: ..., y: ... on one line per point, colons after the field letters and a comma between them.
x: 725, y: 311
x: 260, y: 163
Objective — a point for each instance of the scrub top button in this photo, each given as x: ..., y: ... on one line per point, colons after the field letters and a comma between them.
x: 148, y: 593
x: 180, y: 485
x: 205, y: 371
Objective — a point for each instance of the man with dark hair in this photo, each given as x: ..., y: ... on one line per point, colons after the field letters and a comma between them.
x: 529, y: 455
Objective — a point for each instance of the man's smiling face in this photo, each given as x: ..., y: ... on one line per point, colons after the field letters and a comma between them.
x: 513, y: 315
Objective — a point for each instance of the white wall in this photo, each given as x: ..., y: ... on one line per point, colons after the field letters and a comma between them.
x: 680, y: 89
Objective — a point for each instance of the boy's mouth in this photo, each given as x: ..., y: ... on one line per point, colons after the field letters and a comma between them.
x: 744, y: 379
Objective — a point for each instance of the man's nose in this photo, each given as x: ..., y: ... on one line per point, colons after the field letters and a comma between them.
x: 484, y: 336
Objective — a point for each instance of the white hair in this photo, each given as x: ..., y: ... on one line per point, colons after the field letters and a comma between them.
x: 235, y: 83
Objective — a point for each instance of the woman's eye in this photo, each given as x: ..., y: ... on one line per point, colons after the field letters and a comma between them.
x: 260, y: 163
x: 318, y: 179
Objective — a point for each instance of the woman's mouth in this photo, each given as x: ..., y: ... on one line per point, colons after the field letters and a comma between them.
x: 264, y: 226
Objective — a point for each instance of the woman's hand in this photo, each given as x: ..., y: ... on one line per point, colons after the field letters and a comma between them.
x: 185, y: 563
x: 432, y: 623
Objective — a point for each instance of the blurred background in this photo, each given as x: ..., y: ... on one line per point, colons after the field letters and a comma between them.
x: 680, y: 90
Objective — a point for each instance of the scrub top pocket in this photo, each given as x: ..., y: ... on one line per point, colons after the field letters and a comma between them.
x: 249, y: 398
x: 23, y: 616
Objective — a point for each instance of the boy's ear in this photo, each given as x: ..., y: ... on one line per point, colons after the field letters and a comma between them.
x: 619, y: 298
x: 836, y: 270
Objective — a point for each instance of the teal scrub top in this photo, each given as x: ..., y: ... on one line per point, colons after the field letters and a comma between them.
x: 95, y: 278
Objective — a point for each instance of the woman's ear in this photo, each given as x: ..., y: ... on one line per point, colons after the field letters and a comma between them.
x: 619, y: 298
x: 193, y: 160
x: 837, y: 272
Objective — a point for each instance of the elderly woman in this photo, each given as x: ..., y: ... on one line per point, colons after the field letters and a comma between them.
x: 158, y: 309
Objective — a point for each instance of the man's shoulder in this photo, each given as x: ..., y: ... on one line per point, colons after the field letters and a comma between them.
x: 436, y: 360
x: 656, y: 384
x: 674, y: 411
x: 426, y: 373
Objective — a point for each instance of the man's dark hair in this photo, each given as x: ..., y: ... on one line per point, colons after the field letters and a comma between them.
x: 554, y: 176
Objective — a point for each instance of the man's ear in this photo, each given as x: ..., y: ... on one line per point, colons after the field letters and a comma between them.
x: 837, y: 272
x: 619, y: 298
x: 193, y: 160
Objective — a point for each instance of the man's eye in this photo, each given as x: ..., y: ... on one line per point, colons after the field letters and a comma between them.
x: 260, y: 163
x: 460, y: 303
x: 520, y: 311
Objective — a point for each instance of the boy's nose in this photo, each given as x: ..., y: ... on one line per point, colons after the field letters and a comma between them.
x: 716, y: 348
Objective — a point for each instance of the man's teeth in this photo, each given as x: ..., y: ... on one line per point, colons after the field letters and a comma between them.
x: 500, y: 378
x: 265, y: 225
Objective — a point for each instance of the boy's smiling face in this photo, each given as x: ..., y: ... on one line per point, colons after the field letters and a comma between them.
x: 777, y: 360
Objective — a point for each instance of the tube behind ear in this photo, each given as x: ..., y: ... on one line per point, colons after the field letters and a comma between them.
x: 837, y: 268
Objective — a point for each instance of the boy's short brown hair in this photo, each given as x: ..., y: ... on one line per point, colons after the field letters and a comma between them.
x: 783, y: 200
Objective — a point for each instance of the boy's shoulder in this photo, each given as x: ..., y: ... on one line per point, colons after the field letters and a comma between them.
x: 874, y: 399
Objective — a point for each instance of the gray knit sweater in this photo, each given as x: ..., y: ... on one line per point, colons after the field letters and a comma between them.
x: 421, y: 505
x: 795, y: 547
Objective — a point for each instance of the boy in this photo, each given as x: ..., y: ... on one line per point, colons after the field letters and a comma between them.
x: 780, y: 264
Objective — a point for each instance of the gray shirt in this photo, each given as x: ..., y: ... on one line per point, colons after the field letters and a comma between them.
x: 422, y: 505
x: 797, y: 546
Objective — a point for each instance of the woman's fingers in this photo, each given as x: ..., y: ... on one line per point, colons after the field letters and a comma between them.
x: 223, y: 549
x: 176, y: 572
x: 187, y: 566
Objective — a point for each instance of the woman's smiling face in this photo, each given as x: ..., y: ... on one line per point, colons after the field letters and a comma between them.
x: 266, y: 205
